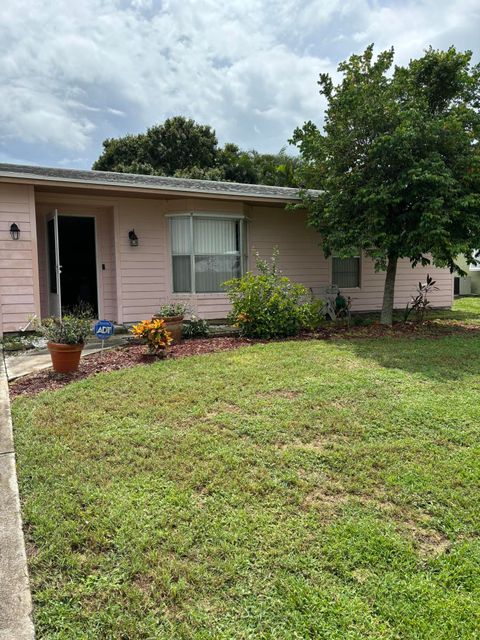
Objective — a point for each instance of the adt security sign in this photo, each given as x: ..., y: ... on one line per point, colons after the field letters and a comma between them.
x: 104, y: 330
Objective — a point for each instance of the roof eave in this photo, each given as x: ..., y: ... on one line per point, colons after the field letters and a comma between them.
x: 21, y: 178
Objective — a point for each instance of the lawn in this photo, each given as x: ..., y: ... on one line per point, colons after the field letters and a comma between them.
x: 308, y: 489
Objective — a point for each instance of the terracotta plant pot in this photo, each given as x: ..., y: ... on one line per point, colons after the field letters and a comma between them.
x: 65, y: 357
x: 173, y: 324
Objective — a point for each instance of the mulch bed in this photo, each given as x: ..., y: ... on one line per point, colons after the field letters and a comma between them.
x: 134, y: 354
x: 119, y: 358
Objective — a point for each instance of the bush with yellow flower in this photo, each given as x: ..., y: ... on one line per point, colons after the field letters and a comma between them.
x: 154, y: 333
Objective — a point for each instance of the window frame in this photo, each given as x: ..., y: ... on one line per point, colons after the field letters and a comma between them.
x: 360, y: 265
x: 242, y: 254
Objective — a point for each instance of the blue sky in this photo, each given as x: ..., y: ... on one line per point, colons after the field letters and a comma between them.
x: 74, y: 73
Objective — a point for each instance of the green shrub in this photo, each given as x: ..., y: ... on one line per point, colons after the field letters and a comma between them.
x: 69, y: 329
x: 268, y: 305
x: 313, y: 314
x: 195, y: 328
x: 72, y: 328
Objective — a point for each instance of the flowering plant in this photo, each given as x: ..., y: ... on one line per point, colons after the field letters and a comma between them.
x: 155, y: 334
x: 172, y: 309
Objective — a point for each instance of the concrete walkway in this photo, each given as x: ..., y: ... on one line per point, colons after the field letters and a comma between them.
x: 26, y: 362
x: 15, y: 599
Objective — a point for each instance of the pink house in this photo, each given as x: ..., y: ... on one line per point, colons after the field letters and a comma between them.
x: 127, y: 243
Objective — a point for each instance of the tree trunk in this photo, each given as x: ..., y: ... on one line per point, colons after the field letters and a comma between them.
x: 389, y: 290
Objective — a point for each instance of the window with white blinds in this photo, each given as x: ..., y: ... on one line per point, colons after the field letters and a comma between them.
x: 206, y: 252
x: 346, y: 272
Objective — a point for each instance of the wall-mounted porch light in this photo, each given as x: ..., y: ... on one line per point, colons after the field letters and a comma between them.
x: 132, y: 236
x: 15, y: 231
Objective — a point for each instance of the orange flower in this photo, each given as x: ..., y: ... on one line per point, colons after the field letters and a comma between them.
x: 154, y: 332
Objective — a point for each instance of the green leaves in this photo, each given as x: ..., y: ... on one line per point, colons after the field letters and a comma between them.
x: 398, y: 158
x: 70, y: 329
x: 269, y: 305
x: 183, y: 148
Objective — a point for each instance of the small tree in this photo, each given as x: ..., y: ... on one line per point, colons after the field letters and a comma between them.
x: 420, y: 303
x: 398, y: 162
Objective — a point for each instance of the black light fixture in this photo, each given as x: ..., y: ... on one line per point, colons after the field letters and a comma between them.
x: 15, y: 231
x: 132, y: 236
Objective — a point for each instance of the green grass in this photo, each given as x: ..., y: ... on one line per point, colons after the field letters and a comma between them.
x: 315, y: 489
x: 465, y: 310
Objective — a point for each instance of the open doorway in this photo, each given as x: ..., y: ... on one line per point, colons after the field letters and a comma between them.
x: 73, y: 248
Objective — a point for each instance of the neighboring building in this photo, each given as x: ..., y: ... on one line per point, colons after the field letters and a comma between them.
x: 77, y: 233
x: 469, y: 284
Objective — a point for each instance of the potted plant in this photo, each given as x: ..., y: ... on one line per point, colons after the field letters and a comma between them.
x: 65, y: 340
x: 173, y: 314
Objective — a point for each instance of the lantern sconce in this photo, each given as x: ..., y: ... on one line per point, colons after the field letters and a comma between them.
x: 15, y: 231
x: 132, y: 236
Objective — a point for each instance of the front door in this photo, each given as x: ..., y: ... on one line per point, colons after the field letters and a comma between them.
x: 72, y: 264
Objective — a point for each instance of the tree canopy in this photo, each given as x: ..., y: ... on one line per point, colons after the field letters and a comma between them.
x: 397, y: 161
x: 183, y: 148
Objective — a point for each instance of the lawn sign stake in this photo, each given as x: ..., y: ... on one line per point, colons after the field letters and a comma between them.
x: 104, y: 330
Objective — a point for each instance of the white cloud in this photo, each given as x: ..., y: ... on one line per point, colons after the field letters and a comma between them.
x: 72, y: 74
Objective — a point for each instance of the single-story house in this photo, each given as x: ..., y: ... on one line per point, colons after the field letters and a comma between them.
x: 128, y: 243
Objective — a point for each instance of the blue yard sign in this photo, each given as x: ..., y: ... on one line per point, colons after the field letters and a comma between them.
x: 104, y: 329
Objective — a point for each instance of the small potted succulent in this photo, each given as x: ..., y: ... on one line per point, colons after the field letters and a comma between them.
x: 65, y: 339
x: 173, y: 314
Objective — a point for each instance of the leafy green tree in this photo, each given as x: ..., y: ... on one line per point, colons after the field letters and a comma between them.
x: 181, y: 143
x: 198, y: 173
x: 237, y: 165
x: 180, y: 147
x: 177, y: 144
x: 278, y: 169
x: 126, y: 154
x: 398, y: 162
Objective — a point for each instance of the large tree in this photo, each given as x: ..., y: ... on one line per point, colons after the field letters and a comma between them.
x: 397, y: 161
x: 183, y: 148
x: 177, y: 144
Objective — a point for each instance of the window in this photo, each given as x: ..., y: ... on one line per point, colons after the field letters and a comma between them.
x: 206, y: 252
x: 346, y: 272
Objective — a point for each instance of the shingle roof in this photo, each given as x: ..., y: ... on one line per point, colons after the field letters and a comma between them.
x: 160, y: 183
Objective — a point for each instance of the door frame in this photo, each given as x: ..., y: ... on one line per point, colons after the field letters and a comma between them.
x: 97, y: 255
x: 57, y: 268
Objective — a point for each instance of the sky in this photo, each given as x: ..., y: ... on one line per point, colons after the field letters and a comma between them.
x: 73, y: 73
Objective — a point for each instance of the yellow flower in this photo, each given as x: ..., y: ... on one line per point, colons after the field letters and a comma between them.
x: 154, y: 332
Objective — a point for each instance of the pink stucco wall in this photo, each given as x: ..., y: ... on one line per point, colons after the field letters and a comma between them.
x: 302, y: 259
x: 144, y: 272
x: 136, y: 280
x: 19, y: 292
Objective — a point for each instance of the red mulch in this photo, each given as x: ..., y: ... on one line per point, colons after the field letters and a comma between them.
x: 118, y: 358
x: 134, y: 354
